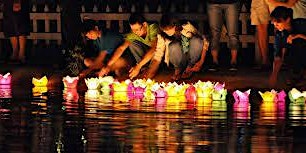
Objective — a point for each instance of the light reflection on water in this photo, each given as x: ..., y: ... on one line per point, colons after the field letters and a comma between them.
x: 75, y: 121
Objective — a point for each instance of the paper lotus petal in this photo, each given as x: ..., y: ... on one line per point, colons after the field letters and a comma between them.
x: 40, y: 82
x: 139, y: 92
x: 160, y: 93
x: 218, y: 86
x: 297, y: 96
x: 70, y: 82
x: 219, y: 94
x: 92, y: 83
x: 204, y: 89
x: 140, y: 83
x: 241, y: 96
x: 5, y: 79
x: 191, y: 94
x: 281, y: 96
x: 268, y: 95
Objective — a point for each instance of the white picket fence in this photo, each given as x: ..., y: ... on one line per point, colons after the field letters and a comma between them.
x: 47, y: 16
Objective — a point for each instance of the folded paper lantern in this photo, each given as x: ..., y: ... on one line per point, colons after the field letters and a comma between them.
x: 297, y: 96
x: 268, y: 96
x: 206, y: 102
x: 139, y: 92
x: 219, y: 105
x: 70, y: 82
x: 240, y: 96
x: 71, y: 94
x: 106, y: 83
x: 204, y: 89
x: 124, y: 88
x: 174, y: 89
x: 5, y: 79
x: 219, y: 93
x: 92, y: 83
x: 281, y: 96
x: 40, y: 82
x: 191, y: 94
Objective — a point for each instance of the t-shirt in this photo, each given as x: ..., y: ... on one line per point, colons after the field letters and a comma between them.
x: 280, y: 41
x: 108, y: 42
x: 152, y: 32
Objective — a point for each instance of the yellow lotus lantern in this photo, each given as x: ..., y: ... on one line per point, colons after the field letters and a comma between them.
x: 174, y: 89
x: 204, y: 89
x: 268, y: 96
x: 92, y: 83
x: 40, y: 82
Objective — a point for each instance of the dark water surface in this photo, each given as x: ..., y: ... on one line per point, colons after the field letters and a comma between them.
x: 49, y: 120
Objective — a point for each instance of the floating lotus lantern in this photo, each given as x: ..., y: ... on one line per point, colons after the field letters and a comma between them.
x: 70, y: 82
x: 204, y: 89
x: 5, y: 79
x: 149, y: 90
x: 160, y: 103
x: 123, y: 90
x: 71, y: 94
x: 92, y: 83
x: 219, y: 92
x: 106, y: 83
x: 40, y: 82
x: 92, y: 95
x: 240, y: 96
x: 158, y: 90
x: 297, y: 96
x: 273, y: 95
x: 219, y: 109
x: 174, y: 89
x: 206, y: 102
x: 139, y: 88
x: 191, y: 94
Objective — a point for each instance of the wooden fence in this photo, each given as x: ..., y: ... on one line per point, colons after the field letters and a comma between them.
x: 54, y: 16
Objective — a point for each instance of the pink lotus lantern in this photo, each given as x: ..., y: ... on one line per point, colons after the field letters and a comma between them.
x: 92, y: 83
x: 241, y: 96
x: 70, y: 82
x: 158, y: 90
x: 139, y: 88
x: 5, y: 79
x: 281, y: 96
x: 191, y: 94
x: 40, y: 82
x: 71, y: 94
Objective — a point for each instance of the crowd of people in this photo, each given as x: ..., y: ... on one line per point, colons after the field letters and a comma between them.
x: 178, y: 43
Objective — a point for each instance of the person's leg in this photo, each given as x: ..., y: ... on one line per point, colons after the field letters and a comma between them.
x: 215, y: 16
x: 263, y: 41
x: 176, y: 59
x: 14, y: 43
x: 231, y: 17
x: 138, y: 49
x: 22, y: 48
x: 195, y: 50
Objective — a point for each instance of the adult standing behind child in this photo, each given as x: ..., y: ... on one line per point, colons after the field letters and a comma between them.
x: 290, y: 35
x: 16, y: 26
